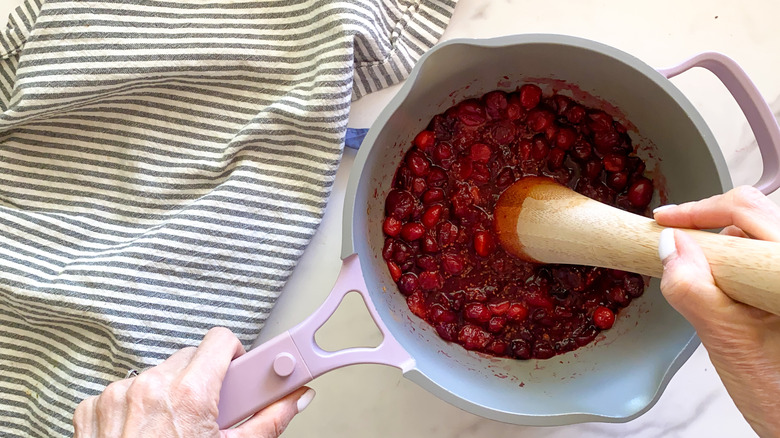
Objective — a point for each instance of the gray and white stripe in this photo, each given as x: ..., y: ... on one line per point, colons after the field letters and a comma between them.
x: 163, y: 166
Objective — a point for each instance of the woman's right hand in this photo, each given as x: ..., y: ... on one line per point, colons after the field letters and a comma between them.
x: 743, y: 342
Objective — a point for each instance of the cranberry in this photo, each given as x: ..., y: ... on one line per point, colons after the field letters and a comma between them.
x: 540, y: 148
x: 585, y: 335
x: 641, y: 192
x: 442, y: 127
x: 614, y: 162
x: 480, y: 152
x: 536, y: 297
x: 543, y: 350
x: 418, y: 186
x: 600, y: 121
x: 517, y: 312
x: 495, y: 104
x: 634, y: 285
x: 524, y: 149
x: 606, y: 141
x: 497, y: 347
x: 575, y: 114
x: 603, y: 318
x: 401, y: 252
x: 570, y: 277
x: 453, y: 263
x: 513, y: 111
x: 427, y: 262
x: 499, y: 308
x: 556, y: 157
x: 471, y: 113
x: 484, y: 243
x: 592, y: 169
x: 430, y: 244
x: 618, y: 296
x: 520, y: 349
x: 443, y: 155
x: 400, y: 204
x: 437, y: 313
x: 561, y: 103
x: 502, y: 133
x: 388, y: 249
x: 392, y: 226
x: 617, y: 180
x: 505, y: 177
x: 476, y: 312
x: 581, y: 150
x: 432, y: 195
x: 496, y: 324
x: 424, y: 140
x: 565, y: 138
x: 395, y: 271
x: 436, y: 177
x: 480, y: 173
x: 408, y: 283
x: 530, y: 96
x: 416, y: 303
x: 473, y: 337
x: 418, y: 163
x: 412, y: 231
x: 430, y: 280
x: 432, y: 216
x: 462, y: 169
x: 636, y: 165
x: 447, y: 330
x: 566, y: 344
x: 540, y: 120
x: 448, y: 232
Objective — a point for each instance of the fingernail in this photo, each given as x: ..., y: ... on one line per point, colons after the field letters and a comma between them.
x: 666, y: 244
x: 305, y: 399
x: 663, y: 207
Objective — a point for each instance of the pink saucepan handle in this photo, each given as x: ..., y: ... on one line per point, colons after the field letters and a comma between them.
x: 753, y: 105
x: 290, y: 360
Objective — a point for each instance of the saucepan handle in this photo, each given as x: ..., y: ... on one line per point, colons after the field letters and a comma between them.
x: 290, y: 360
x: 753, y: 105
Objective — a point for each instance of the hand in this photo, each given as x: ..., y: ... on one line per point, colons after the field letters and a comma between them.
x: 743, y: 342
x: 179, y: 397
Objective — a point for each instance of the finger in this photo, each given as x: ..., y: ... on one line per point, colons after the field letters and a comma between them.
x: 111, y: 409
x: 734, y: 231
x: 745, y: 207
x: 687, y: 282
x: 273, y: 420
x: 84, y: 419
x: 213, y: 356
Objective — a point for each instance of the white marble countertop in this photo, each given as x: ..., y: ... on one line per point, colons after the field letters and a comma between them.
x: 376, y: 401
x: 371, y: 400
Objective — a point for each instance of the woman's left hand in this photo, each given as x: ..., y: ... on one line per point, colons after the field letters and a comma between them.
x: 179, y: 398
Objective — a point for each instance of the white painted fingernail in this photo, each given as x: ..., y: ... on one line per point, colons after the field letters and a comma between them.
x: 305, y: 399
x: 666, y: 245
x: 663, y: 207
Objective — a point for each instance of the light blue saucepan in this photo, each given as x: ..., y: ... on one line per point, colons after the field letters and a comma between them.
x: 621, y: 374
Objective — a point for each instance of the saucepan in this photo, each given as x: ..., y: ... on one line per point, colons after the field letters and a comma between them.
x: 614, y: 379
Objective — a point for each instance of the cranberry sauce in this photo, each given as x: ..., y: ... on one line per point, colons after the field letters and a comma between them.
x: 440, y: 246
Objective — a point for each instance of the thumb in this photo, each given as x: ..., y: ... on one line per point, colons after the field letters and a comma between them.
x: 687, y: 282
x: 274, y: 419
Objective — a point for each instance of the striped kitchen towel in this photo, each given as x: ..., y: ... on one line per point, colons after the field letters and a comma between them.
x: 163, y: 165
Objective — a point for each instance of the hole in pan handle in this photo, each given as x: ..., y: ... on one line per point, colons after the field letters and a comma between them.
x: 283, y: 364
x: 753, y: 105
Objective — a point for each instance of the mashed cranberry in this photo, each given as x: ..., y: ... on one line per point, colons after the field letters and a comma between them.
x: 440, y: 246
